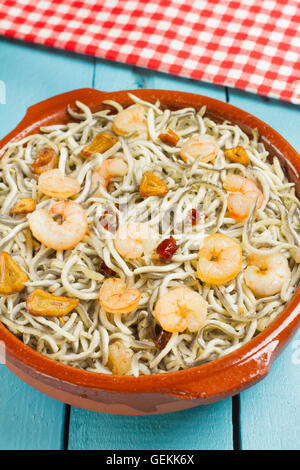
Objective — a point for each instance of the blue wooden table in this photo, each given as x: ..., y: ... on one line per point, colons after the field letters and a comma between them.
x: 266, y: 416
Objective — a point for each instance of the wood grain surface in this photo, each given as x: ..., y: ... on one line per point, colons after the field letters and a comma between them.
x: 269, y: 412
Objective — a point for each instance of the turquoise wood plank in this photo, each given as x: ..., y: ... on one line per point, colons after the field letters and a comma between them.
x: 29, y: 419
x: 168, y: 82
x: 34, y: 73
x: 270, y: 411
x: 113, y: 76
x: 270, y: 416
x: 284, y: 117
x: 205, y: 427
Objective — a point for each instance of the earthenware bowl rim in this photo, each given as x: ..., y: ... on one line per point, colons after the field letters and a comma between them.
x: 287, y: 320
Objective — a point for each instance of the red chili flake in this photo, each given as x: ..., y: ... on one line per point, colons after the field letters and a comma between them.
x: 162, y: 339
x: 108, y: 211
x: 196, y: 216
x: 105, y: 270
x: 106, y: 225
x: 110, y: 222
x: 167, y: 248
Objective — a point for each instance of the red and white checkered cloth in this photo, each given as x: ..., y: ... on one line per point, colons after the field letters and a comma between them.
x: 249, y: 44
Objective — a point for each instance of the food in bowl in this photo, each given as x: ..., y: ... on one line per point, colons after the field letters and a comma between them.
x: 144, y: 241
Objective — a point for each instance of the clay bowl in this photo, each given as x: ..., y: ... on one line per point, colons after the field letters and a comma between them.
x: 171, y: 391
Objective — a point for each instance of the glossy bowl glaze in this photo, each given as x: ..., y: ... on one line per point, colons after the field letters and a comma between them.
x: 176, y: 390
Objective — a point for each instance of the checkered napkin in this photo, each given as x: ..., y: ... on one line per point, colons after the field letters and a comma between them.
x: 249, y: 44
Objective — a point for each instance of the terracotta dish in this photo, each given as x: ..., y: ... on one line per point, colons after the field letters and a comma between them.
x: 172, y: 391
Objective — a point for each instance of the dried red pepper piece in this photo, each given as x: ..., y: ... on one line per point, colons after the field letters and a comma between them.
x: 196, y: 216
x: 167, y: 248
x: 105, y: 270
x: 109, y: 223
x: 162, y: 339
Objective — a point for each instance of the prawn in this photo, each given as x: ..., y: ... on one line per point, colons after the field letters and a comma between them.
x: 107, y: 170
x: 204, y: 146
x: 55, y: 235
x: 244, y: 193
x: 180, y: 309
x: 219, y: 259
x: 129, y: 120
x: 135, y: 239
x: 265, y: 275
x: 53, y: 183
x: 119, y: 358
x: 115, y: 298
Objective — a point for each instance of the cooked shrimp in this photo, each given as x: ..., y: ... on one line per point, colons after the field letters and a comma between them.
x: 219, y: 259
x: 131, y: 119
x: 180, y: 309
x: 119, y: 358
x: 109, y: 169
x: 265, y: 275
x: 53, y: 183
x: 135, y: 239
x: 244, y: 193
x: 55, y: 235
x: 115, y: 298
x: 204, y: 146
